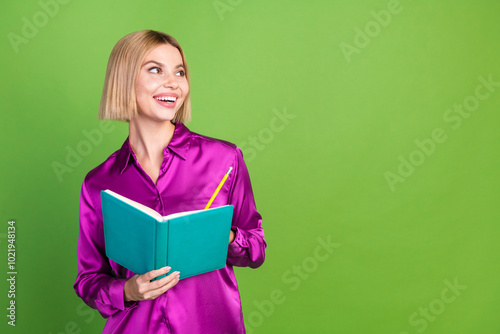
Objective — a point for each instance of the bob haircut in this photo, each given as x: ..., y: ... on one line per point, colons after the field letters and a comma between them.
x: 118, y: 100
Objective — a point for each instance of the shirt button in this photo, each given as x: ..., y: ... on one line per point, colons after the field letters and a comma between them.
x: 157, y: 198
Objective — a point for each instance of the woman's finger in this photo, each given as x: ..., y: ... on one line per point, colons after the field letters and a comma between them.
x: 154, y: 273
x: 165, y: 280
x: 173, y: 280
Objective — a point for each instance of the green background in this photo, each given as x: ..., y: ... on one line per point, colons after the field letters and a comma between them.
x: 322, y: 174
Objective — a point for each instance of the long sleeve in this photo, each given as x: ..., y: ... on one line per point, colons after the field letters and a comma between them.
x: 96, y: 282
x: 249, y: 246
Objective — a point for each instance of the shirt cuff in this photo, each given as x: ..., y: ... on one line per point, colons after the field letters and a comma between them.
x: 116, y: 295
x: 239, y: 240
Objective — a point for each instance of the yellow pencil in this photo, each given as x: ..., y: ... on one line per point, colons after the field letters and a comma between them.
x: 218, y: 188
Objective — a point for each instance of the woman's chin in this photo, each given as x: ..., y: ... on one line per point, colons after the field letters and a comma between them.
x: 158, y: 116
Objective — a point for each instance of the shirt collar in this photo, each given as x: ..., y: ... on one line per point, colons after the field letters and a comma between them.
x: 179, y: 144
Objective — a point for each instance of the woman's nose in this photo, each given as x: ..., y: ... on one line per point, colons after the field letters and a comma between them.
x: 170, y: 81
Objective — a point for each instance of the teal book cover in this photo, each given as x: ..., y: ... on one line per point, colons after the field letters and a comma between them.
x: 140, y: 239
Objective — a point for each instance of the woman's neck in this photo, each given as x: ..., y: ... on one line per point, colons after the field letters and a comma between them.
x: 148, y: 139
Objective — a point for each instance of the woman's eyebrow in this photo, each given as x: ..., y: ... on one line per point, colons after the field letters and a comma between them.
x: 160, y: 64
x: 155, y: 62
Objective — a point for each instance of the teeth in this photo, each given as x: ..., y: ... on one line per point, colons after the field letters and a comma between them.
x: 167, y: 98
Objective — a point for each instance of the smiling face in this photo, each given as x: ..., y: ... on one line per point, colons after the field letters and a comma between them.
x: 161, y: 85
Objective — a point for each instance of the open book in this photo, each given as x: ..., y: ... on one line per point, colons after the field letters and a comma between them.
x: 140, y: 239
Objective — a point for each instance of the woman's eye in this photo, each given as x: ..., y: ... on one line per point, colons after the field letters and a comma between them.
x: 155, y: 70
x: 181, y: 73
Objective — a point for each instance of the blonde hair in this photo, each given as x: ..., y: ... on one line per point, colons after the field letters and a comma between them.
x: 118, y: 100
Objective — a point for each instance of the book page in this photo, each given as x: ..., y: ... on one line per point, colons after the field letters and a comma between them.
x: 137, y: 205
x: 179, y: 214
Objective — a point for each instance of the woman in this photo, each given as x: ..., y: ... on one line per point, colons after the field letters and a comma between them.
x: 166, y: 167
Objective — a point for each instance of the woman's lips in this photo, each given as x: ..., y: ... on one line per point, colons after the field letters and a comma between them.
x: 166, y: 104
x: 167, y: 100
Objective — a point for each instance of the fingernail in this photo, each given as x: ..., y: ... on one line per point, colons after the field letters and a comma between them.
x: 168, y: 268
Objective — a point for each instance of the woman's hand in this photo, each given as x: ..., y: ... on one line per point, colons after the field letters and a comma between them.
x: 139, y: 287
x: 232, y: 235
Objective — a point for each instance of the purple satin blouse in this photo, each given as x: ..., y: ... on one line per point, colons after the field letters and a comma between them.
x: 191, y: 170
